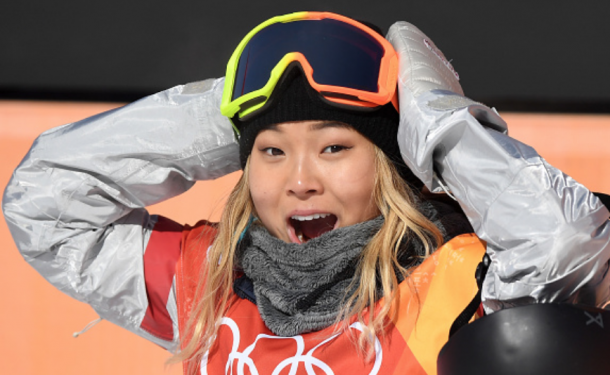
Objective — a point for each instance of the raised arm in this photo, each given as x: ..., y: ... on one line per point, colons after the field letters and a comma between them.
x: 75, y: 205
x: 547, y: 235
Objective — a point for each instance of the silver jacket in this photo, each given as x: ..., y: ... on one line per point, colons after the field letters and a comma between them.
x: 75, y: 205
x: 547, y: 235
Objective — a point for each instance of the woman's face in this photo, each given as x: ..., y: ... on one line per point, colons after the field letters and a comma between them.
x: 309, y: 177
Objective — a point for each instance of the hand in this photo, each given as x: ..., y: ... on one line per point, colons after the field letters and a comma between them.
x: 423, y: 67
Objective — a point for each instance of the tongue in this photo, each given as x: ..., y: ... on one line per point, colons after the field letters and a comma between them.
x: 317, y: 227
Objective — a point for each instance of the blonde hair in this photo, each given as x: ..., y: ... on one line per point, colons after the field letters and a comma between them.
x: 379, y: 261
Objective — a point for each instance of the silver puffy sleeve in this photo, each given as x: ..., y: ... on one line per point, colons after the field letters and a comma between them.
x: 75, y: 204
x: 547, y: 235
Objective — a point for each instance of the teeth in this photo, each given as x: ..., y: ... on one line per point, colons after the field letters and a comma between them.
x: 310, y: 217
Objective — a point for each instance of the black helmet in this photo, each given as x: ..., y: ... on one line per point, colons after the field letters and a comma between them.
x: 553, y: 339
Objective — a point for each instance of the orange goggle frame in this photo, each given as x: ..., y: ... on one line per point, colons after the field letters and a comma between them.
x: 345, y: 61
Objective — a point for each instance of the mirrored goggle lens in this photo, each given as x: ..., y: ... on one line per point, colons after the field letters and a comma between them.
x: 340, y: 54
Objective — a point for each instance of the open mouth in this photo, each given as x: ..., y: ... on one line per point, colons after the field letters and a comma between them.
x: 307, y: 227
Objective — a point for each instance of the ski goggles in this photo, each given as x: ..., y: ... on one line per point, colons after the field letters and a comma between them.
x: 346, y: 62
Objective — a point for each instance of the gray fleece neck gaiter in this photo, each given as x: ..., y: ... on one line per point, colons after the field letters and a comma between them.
x: 299, y: 287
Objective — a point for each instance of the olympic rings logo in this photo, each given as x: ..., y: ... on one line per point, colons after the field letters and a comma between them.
x: 239, y: 361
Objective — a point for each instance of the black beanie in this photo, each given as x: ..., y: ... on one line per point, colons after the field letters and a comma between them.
x: 295, y: 100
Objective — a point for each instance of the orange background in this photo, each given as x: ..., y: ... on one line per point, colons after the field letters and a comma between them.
x: 37, y: 321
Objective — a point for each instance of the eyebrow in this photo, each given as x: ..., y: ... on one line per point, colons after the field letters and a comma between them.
x: 329, y: 124
x: 316, y: 126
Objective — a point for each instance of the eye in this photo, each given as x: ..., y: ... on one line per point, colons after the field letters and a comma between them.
x: 272, y: 151
x: 334, y: 149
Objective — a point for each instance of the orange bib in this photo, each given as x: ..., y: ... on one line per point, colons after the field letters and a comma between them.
x: 428, y: 303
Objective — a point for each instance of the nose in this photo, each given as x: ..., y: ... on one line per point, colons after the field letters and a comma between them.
x: 304, y: 179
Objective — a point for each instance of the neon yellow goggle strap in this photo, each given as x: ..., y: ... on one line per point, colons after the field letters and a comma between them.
x: 228, y: 107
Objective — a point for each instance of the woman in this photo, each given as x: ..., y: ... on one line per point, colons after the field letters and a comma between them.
x: 322, y: 259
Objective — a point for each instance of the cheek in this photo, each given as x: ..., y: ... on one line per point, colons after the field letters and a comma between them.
x: 354, y: 184
x: 258, y: 188
x: 262, y: 190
